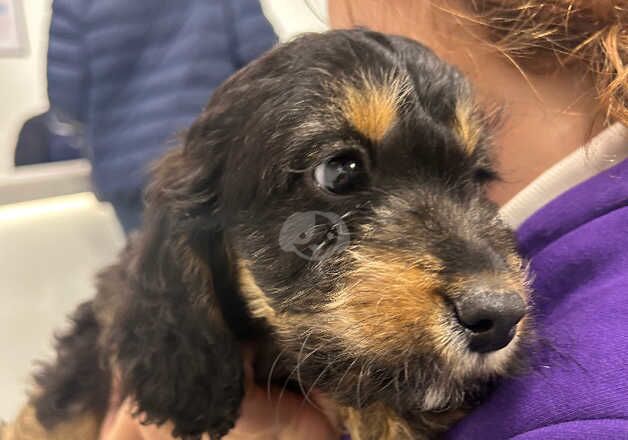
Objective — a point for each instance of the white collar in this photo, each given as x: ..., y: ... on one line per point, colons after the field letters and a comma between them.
x: 602, y: 152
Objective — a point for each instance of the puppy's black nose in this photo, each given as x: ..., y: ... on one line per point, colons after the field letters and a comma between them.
x: 490, y: 317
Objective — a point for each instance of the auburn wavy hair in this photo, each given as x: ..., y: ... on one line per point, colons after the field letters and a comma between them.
x: 589, y: 34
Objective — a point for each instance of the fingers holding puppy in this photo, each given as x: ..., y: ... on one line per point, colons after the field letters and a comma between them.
x: 273, y: 415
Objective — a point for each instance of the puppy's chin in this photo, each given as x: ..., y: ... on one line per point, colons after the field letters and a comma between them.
x: 465, y: 364
x: 456, y: 379
x: 471, y: 378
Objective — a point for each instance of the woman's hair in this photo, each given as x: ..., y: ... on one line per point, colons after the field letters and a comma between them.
x: 587, y: 33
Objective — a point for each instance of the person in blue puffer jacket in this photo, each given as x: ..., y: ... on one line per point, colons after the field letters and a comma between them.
x: 134, y: 73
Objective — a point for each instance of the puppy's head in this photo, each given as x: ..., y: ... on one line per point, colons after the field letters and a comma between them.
x: 345, y: 175
x: 357, y: 212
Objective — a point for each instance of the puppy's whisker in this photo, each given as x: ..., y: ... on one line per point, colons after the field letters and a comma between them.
x: 551, y: 347
x: 314, y: 228
x: 299, y: 171
x: 345, y: 216
x: 357, y: 390
x: 303, y: 344
x: 351, y: 365
x: 327, y: 227
x: 296, y: 297
x: 397, y: 388
x: 364, y: 371
x: 309, y: 391
x: 390, y: 194
x: 300, y: 380
x: 319, y: 247
x: 271, y: 371
x: 406, y: 374
x: 290, y: 375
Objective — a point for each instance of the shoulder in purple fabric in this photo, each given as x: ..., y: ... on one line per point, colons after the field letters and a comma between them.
x: 577, y: 387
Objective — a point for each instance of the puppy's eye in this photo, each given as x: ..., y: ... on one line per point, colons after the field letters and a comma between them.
x: 341, y: 174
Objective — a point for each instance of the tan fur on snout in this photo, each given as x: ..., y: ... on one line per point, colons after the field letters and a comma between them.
x: 388, y: 304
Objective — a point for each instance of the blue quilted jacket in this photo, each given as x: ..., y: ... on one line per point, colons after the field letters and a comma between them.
x: 136, y: 72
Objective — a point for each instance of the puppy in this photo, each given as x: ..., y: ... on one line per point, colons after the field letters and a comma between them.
x: 329, y: 207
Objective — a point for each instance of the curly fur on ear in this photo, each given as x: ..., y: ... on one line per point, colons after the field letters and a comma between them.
x: 157, y: 320
x: 76, y: 383
x: 174, y: 352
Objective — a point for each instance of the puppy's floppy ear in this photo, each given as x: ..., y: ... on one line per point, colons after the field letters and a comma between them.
x: 174, y: 352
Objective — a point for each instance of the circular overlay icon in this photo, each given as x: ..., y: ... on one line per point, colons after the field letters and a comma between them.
x: 314, y: 235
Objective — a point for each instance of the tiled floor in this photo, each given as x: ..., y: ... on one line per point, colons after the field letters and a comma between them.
x: 49, y: 252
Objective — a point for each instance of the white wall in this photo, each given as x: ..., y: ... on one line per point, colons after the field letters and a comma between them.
x: 23, y: 81
x: 292, y: 17
x: 50, y: 251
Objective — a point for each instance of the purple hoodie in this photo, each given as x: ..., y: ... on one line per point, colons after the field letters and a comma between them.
x: 578, y: 386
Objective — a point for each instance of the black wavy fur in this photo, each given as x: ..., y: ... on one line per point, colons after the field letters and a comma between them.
x: 161, y: 331
x: 155, y: 318
x: 76, y: 383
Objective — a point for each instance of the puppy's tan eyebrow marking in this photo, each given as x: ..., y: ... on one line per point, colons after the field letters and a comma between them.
x: 372, y: 107
x: 467, y: 125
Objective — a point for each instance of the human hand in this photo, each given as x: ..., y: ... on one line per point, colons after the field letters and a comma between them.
x: 273, y: 415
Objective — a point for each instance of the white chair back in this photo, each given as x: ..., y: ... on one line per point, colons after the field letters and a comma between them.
x: 50, y: 250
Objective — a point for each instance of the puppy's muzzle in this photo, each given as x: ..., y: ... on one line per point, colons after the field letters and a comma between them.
x: 489, y: 318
